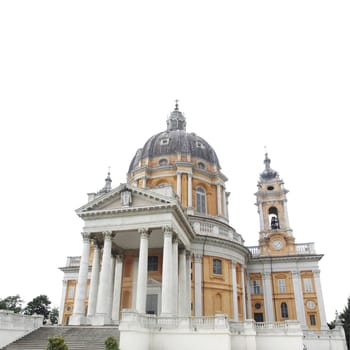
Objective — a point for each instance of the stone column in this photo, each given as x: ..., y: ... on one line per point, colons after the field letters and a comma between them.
x: 299, y: 299
x: 175, y: 274
x: 225, y: 202
x: 198, y: 305
x: 268, y: 300
x: 188, y: 283
x: 144, y: 182
x: 95, y: 274
x: 249, y: 299
x: 142, y: 271
x: 167, y: 275
x: 79, y: 301
x: 261, y: 217
x: 63, y: 299
x: 178, y: 185
x: 234, y: 291
x: 182, y: 284
x: 189, y: 190
x: 320, y: 303
x: 110, y: 288
x: 117, y: 288
x: 286, y: 219
x: 102, y: 304
x: 244, y: 304
x: 219, y: 199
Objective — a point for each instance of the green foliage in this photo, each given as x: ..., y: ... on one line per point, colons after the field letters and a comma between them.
x: 54, y: 316
x: 39, y: 306
x: 345, y: 318
x: 13, y: 303
x: 111, y: 343
x: 56, y: 343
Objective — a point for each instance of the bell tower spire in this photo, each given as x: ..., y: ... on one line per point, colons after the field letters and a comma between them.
x: 276, y: 237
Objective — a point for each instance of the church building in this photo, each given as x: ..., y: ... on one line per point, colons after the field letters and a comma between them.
x: 161, y: 261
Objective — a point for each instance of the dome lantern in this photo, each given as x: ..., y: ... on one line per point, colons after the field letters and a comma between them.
x: 176, y: 120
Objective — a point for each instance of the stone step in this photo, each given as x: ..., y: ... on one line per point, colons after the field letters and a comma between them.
x: 76, y: 338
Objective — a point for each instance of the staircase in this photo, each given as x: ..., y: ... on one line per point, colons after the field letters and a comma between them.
x: 76, y: 338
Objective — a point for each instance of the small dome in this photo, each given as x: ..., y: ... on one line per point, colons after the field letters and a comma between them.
x: 268, y: 173
x: 173, y: 141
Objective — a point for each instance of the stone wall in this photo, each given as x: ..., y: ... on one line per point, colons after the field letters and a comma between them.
x: 14, y: 326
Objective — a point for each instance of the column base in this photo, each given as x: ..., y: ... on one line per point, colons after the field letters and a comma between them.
x: 101, y: 320
x: 78, y: 320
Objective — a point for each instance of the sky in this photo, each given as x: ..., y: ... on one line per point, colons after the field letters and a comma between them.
x: 84, y: 84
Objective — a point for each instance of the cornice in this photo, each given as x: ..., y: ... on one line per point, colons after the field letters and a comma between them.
x: 284, y: 258
x: 222, y: 243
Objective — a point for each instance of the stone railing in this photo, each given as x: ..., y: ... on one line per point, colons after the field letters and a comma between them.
x: 305, y: 248
x: 73, y: 261
x: 300, y: 249
x: 131, y: 317
x: 260, y: 327
x: 215, y: 229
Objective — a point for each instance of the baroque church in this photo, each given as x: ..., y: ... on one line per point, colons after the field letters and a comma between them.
x: 161, y: 262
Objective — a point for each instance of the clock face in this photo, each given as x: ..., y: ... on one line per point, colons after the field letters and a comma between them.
x: 277, y: 244
x: 310, y: 304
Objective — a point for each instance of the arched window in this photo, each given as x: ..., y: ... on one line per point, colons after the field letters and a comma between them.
x: 273, y: 218
x: 163, y: 162
x: 284, y: 310
x: 201, y: 200
x: 201, y: 165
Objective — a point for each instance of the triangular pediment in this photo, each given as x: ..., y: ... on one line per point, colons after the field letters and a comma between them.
x: 126, y: 197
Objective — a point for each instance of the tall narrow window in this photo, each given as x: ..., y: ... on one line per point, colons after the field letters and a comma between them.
x: 284, y: 310
x: 153, y: 263
x: 282, y: 286
x: 307, y: 285
x: 201, y: 200
x: 312, y: 320
x: 273, y: 218
x: 217, y: 267
x: 255, y: 287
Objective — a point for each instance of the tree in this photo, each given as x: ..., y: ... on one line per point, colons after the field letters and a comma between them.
x: 345, y: 318
x: 56, y: 343
x: 39, y: 306
x: 13, y: 303
x: 111, y: 343
x: 54, y: 316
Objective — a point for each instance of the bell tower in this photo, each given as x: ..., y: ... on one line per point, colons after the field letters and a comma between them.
x: 276, y: 236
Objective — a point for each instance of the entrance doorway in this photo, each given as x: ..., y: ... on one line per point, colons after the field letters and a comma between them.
x: 152, y: 304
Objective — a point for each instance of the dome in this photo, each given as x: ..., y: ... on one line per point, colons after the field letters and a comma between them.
x: 175, y: 140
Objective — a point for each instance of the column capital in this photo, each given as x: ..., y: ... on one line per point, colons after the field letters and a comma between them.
x: 266, y: 275
x: 144, y: 232
x: 188, y: 253
x: 86, y: 236
x: 198, y: 258
x: 316, y: 273
x: 295, y: 274
x: 107, y: 235
x: 167, y: 230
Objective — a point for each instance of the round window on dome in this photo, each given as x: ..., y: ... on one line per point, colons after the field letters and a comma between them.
x: 163, y: 162
x: 270, y: 188
x: 201, y: 165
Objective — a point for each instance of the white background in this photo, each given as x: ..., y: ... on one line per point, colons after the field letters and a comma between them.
x: 84, y: 84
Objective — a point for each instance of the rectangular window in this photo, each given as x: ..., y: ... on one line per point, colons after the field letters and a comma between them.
x: 308, y: 285
x: 282, y: 286
x: 152, y: 263
x: 313, y: 320
x: 217, y: 267
x: 255, y: 287
x: 71, y: 291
